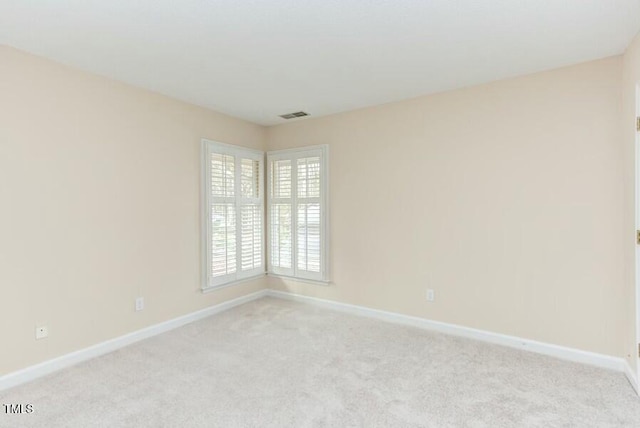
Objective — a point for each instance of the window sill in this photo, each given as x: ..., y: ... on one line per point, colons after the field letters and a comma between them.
x: 211, y: 288
x: 298, y: 279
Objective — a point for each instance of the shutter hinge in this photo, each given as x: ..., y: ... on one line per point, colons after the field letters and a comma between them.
x: 638, y: 237
x: 638, y: 350
x: 638, y: 123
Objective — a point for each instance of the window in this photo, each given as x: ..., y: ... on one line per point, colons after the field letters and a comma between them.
x: 233, y: 213
x: 297, y: 213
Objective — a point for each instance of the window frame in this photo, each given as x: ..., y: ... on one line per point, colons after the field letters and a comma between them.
x: 208, y: 147
x: 294, y: 154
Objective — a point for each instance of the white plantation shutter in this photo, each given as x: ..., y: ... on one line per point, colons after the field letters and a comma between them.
x: 233, y: 201
x: 281, y: 216
x: 223, y: 239
x: 223, y: 215
x: 308, y: 215
x: 298, y: 213
x: 251, y: 203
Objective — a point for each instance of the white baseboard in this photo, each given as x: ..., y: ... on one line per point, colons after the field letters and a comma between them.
x: 47, y: 367
x: 631, y: 377
x: 565, y: 353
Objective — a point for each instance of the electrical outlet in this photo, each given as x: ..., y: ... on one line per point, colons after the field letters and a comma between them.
x: 42, y: 332
x: 139, y: 303
x: 431, y: 295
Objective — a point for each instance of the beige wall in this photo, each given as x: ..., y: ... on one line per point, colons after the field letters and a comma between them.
x: 631, y: 77
x: 505, y: 198
x: 99, y: 196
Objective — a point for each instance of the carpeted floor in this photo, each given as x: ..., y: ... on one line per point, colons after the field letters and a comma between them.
x: 275, y: 363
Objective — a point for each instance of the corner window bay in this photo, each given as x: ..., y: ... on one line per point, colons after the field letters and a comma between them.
x: 236, y: 245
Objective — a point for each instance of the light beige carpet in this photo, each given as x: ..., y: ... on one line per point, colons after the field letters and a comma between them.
x: 274, y: 363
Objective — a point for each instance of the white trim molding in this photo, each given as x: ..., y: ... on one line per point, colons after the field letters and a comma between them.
x: 47, y: 367
x: 562, y: 352
x: 236, y: 282
x: 631, y: 377
x: 296, y: 279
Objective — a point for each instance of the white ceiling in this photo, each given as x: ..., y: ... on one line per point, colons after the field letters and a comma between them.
x: 257, y: 59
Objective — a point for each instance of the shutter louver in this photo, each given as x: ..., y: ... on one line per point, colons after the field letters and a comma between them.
x: 251, y: 215
x: 281, y: 180
x: 250, y: 178
x: 281, y: 239
x: 251, y: 237
x: 223, y: 239
x: 309, y: 237
x: 308, y: 214
x: 281, y: 215
x: 309, y: 177
x: 222, y: 175
x: 223, y: 219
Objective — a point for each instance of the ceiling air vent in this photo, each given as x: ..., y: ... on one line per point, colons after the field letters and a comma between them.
x: 294, y: 115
